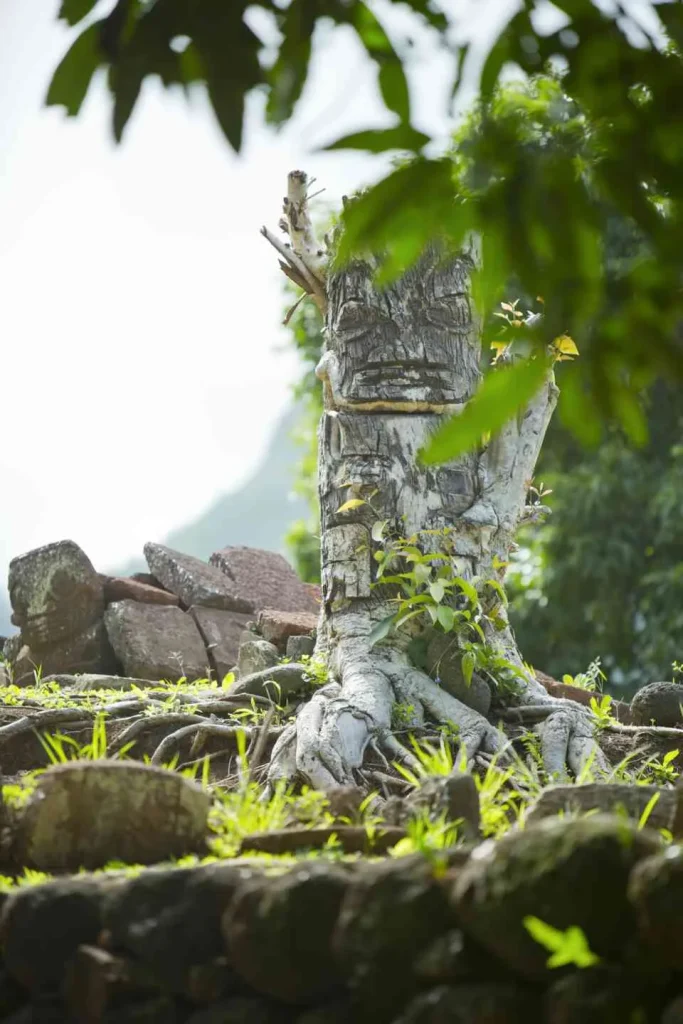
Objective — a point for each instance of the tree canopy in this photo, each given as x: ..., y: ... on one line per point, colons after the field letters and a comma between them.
x: 539, y: 213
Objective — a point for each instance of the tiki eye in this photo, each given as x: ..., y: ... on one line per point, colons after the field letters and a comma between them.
x: 452, y: 312
x: 356, y: 318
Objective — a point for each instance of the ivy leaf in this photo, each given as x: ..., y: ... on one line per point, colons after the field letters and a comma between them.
x: 73, y: 75
x: 379, y: 140
x: 503, y: 393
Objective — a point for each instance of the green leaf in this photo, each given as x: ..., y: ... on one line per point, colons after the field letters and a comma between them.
x: 377, y: 531
x: 503, y: 393
x: 468, y: 660
x: 394, y: 88
x: 73, y: 75
x: 468, y: 589
x: 288, y: 75
x: 73, y: 11
x: 381, y: 630
x: 567, y: 947
x: 437, y: 590
x: 445, y: 616
x: 380, y: 140
x: 392, y: 80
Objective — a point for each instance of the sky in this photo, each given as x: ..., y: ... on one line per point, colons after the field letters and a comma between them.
x: 143, y: 366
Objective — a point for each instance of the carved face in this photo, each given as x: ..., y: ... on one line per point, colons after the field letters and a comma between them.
x: 411, y: 346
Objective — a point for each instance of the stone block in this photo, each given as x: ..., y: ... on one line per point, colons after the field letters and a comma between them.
x: 125, y: 588
x: 193, y: 581
x: 221, y: 631
x: 156, y: 642
x: 265, y: 579
x: 278, y: 626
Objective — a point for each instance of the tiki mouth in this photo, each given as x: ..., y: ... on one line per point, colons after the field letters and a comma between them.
x: 408, y: 373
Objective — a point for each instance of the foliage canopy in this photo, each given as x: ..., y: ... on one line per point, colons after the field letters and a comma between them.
x: 539, y: 212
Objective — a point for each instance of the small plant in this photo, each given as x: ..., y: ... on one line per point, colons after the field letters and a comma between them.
x: 427, y: 762
x: 601, y: 711
x: 427, y: 835
x: 592, y: 679
x: 662, y: 771
x: 402, y: 716
x: 568, y: 947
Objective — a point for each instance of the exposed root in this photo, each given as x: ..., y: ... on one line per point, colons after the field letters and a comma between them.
x: 326, y: 745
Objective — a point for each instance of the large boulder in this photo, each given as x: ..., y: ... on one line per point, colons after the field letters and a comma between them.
x: 55, y: 593
x: 58, y: 602
x: 193, y: 581
x: 564, y: 872
x: 86, y: 813
x: 221, y: 632
x: 156, y: 642
x: 656, y: 892
x: 658, y: 704
x: 617, y: 797
x: 265, y: 579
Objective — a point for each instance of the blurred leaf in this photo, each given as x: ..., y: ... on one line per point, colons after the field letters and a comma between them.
x: 379, y: 140
x: 392, y: 80
x: 392, y: 220
x: 72, y: 77
x: 503, y: 392
x: 288, y: 74
x: 381, y: 630
x: 73, y: 11
x: 350, y: 504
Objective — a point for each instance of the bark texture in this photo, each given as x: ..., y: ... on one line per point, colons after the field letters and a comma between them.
x: 396, y: 362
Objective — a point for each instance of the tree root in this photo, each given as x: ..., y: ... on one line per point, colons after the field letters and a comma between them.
x: 326, y: 745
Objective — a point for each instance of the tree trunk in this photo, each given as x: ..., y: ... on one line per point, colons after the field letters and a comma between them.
x: 395, y: 363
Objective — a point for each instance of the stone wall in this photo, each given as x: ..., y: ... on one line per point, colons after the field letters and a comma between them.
x: 409, y: 940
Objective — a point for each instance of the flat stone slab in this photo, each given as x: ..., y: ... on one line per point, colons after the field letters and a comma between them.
x: 125, y: 588
x: 192, y: 580
x: 607, y: 797
x: 55, y: 593
x: 351, y: 838
x: 91, y: 681
x: 156, y: 642
x: 85, y: 814
x: 88, y: 651
x: 265, y: 579
x: 221, y: 631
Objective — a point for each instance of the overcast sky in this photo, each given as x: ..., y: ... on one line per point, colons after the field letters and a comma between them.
x: 141, y: 369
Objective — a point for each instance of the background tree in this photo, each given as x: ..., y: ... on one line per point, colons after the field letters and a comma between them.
x: 543, y: 220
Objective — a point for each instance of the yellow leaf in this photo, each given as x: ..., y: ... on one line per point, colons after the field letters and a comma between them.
x: 506, y: 305
x: 351, y: 503
x: 500, y: 346
x: 565, y: 345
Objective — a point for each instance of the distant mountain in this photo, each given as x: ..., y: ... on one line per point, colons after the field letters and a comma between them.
x: 258, y: 514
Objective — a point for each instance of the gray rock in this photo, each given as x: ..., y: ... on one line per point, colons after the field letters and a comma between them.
x: 565, y: 872
x: 55, y: 593
x: 658, y: 704
x: 221, y: 632
x: 155, y: 642
x: 84, y: 814
x: 125, y: 588
x: 278, y: 683
x: 256, y: 656
x: 4, y: 675
x: 444, y: 661
x: 299, y: 646
x: 277, y: 933
x: 192, y: 580
x: 615, y: 797
x: 265, y: 579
